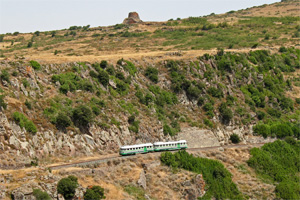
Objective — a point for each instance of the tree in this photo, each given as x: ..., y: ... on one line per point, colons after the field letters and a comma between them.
x: 67, y: 187
x: 94, y: 193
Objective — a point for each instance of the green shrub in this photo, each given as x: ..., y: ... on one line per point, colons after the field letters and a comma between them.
x: 111, y: 70
x: 28, y: 104
x: 1, y: 37
x: 193, y: 92
x: 208, y: 123
x: 67, y: 187
x: 168, y: 130
x: 82, y: 116
x: 274, y: 112
x: 226, y: 113
x: 152, y: 74
x: 208, y: 107
x: 29, y: 44
x: 2, y: 102
x: 135, y: 191
x: 134, y: 126
x: 201, y: 101
x: 298, y: 101
x: 35, y: 65
x: 93, y: 74
x: 288, y: 190
x: 215, y: 92
x: 122, y: 87
x: 94, y: 193
x: 5, y: 75
x: 62, y: 121
x: 103, y: 64
x: 262, y: 129
x: 24, y: 122
x: 261, y: 115
x: 281, y: 130
x: 120, y: 75
x: 25, y: 83
x: 40, y: 195
x: 235, y: 138
x: 103, y: 78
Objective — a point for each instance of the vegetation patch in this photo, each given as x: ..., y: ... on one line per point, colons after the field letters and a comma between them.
x: 218, y: 179
x: 279, y: 162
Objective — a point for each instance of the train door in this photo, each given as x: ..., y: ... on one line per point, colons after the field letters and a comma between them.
x: 178, y: 145
x: 145, y: 149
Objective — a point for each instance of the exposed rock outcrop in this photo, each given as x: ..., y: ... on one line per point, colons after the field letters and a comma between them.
x: 133, y: 18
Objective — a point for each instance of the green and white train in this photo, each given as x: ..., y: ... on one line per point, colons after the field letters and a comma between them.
x: 149, y: 147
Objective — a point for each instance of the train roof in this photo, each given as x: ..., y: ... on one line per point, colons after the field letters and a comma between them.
x: 174, y: 142
x: 136, y: 145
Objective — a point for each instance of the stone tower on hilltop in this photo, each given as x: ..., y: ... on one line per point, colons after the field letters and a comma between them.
x: 133, y: 18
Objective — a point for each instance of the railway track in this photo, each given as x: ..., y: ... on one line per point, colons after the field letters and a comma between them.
x: 102, y: 160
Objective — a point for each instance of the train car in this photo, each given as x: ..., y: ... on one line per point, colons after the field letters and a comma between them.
x: 135, y: 149
x: 168, y: 146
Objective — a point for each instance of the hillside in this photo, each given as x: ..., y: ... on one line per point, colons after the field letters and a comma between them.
x: 267, y: 27
x: 82, y: 92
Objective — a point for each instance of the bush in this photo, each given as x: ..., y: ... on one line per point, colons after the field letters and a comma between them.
x: 4, y: 75
x: 281, y: 130
x: 35, y: 65
x: 103, y: 78
x: 82, y: 116
x: 168, y: 130
x: 24, y: 122
x: 29, y: 44
x: 193, y: 92
x: 152, y: 74
x: 2, y: 102
x: 215, y: 92
x: 40, y: 195
x: 262, y: 129
x: 261, y: 115
x: 103, y: 64
x: 235, y: 138
x: 208, y: 123
x: 120, y: 76
x: 67, y: 187
x: 226, y: 113
x: 94, y: 193
x: 28, y: 104
x: 62, y: 121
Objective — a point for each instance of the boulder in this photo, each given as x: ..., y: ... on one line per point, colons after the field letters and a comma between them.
x: 142, y: 180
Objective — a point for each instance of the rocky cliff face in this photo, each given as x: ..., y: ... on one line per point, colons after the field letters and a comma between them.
x: 129, y: 102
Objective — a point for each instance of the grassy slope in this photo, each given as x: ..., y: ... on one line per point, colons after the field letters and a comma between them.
x: 267, y: 26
